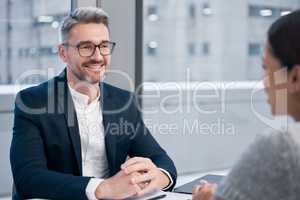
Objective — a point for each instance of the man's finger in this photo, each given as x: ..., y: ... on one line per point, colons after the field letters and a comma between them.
x: 149, y: 188
x: 137, y: 189
x: 143, y: 178
x: 196, y: 189
x: 134, y: 160
x: 206, y: 192
x: 136, y: 168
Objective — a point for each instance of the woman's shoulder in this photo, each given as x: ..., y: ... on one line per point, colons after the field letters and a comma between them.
x: 279, y: 141
x: 266, y: 167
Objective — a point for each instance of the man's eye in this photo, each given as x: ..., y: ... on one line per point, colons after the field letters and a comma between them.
x: 86, y: 46
x: 105, y: 44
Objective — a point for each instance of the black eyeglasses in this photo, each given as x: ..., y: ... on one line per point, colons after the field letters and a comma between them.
x: 87, y: 49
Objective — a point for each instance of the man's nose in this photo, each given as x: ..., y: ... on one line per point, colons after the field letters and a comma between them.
x: 97, y: 54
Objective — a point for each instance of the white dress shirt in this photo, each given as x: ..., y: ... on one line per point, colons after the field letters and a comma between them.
x: 92, y: 138
x: 91, y: 131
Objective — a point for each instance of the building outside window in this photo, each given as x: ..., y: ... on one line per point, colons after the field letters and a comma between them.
x: 255, y: 49
x: 231, y: 38
x: 192, y: 11
x: 29, y: 37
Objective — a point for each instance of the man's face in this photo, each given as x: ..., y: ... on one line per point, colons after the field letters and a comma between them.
x: 90, y: 69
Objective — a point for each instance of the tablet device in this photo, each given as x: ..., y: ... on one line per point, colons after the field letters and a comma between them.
x: 188, y: 187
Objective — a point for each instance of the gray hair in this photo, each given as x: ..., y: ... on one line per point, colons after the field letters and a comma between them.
x: 82, y: 15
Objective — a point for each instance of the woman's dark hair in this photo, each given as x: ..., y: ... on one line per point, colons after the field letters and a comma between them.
x: 284, y: 39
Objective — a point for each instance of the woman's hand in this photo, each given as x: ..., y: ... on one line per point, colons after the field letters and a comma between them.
x: 204, y: 191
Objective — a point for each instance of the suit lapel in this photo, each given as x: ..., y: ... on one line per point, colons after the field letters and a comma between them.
x: 109, y: 120
x: 66, y: 106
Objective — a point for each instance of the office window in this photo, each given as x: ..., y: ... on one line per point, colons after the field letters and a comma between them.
x: 33, y: 52
x: 48, y: 20
x: 267, y: 11
x: 192, y: 11
x: 192, y: 49
x: 47, y: 51
x: 223, y: 46
x: 260, y: 11
x: 206, y: 9
x: 152, y: 48
x: 285, y: 11
x: 20, y: 53
x: 30, y: 29
x: 198, y: 49
x: 205, y: 48
x: 255, y: 49
x: 221, y: 40
x: 152, y: 13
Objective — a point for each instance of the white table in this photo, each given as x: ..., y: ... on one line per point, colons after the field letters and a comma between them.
x: 182, y: 179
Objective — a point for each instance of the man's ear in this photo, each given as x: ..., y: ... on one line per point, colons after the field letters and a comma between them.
x: 62, y: 52
x: 294, y: 79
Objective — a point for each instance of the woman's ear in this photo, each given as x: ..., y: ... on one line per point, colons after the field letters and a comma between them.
x: 294, y: 79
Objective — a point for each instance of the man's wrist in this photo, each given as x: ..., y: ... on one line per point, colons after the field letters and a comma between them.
x: 103, y: 190
x: 168, y: 176
x: 165, y: 181
x: 91, y: 188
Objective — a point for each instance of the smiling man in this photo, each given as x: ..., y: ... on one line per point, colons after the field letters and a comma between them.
x: 65, y: 142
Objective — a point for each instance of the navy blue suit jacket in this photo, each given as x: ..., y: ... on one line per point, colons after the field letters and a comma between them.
x: 46, y: 151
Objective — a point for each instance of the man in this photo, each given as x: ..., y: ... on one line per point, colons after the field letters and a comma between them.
x: 69, y: 139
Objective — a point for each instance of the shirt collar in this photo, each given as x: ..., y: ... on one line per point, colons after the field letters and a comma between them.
x: 80, y: 98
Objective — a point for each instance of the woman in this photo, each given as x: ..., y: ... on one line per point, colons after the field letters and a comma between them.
x: 270, y: 168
